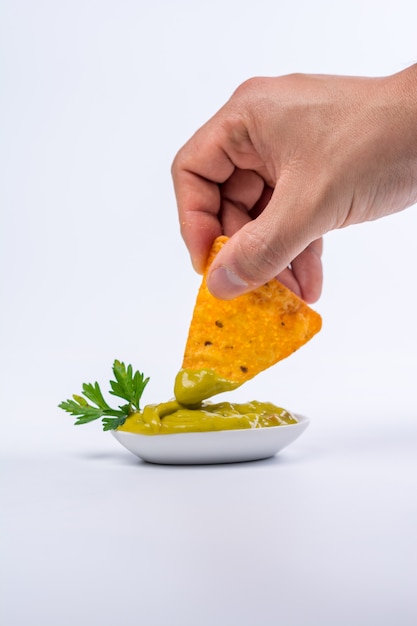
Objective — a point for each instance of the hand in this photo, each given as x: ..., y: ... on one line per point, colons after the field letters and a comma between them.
x: 288, y: 159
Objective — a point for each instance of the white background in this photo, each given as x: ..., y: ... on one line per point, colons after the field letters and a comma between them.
x: 96, y: 97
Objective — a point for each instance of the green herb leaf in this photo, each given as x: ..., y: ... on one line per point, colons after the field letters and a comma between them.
x: 82, y: 410
x: 111, y: 423
x: 93, y: 393
x: 128, y: 385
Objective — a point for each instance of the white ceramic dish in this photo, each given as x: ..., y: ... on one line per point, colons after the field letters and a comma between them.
x: 223, y: 446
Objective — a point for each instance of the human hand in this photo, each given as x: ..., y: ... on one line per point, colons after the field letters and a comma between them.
x: 288, y: 159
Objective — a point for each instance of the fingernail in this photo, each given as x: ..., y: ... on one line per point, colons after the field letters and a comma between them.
x: 225, y: 284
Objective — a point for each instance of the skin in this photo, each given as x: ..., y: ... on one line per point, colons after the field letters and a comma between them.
x: 288, y: 159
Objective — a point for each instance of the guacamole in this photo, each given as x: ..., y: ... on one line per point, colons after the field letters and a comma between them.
x: 193, y: 386
x: 190, y: 412
x: 173, y: 417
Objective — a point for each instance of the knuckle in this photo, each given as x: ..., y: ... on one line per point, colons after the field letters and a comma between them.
x: 249, y: 88
x: 260, y: 258
x: 176, y: 163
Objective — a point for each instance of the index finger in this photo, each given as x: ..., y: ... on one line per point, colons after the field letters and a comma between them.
x: 198, y: 169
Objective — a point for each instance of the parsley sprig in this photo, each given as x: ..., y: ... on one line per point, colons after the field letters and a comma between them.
x: 127, y: 385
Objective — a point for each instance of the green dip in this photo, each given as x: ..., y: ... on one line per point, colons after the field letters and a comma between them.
x: 189, y: 413
x: 173, y: 417
x: 193, y: 386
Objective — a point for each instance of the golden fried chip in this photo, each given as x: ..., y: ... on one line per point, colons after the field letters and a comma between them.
x: 239, y: 338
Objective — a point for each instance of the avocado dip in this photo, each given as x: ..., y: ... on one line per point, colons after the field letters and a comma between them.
x: 190, y: 413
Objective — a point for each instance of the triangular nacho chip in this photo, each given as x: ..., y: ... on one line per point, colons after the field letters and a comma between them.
x: 239, y: 338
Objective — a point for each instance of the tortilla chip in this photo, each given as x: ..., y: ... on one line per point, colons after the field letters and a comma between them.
x: 241, y: 337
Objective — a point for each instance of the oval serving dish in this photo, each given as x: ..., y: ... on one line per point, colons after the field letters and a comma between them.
x: 222, y: 446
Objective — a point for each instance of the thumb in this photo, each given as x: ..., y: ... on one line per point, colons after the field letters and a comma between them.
x: 261, y: 250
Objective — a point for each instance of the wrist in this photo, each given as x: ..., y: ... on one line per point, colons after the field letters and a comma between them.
x: 402, y: 93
